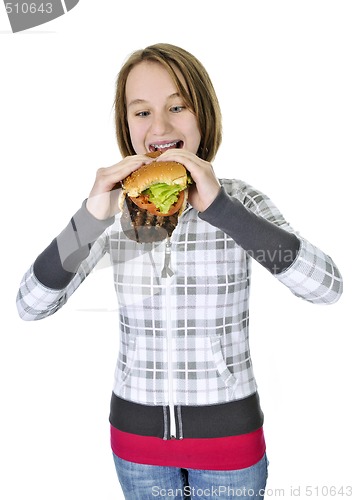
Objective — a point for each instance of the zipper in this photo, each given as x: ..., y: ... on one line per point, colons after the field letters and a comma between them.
x: 171, y: 405
x: 167, y: 273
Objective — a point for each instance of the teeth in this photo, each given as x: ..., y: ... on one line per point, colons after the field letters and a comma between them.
x: 164, y: 146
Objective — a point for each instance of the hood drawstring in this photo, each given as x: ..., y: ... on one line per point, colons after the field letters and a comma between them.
x: 167, y: 271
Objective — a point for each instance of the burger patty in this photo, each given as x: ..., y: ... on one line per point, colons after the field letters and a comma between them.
x: 142, y: 226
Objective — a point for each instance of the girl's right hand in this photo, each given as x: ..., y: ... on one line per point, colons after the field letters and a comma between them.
x: 102, y: 202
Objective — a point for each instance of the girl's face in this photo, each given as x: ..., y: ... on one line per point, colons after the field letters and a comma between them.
x: 157, y: 116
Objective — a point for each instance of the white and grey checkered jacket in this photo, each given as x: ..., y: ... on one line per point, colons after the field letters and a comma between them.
x: 187, y: 333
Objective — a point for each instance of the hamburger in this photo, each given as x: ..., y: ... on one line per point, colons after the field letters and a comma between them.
x: 152, y: 199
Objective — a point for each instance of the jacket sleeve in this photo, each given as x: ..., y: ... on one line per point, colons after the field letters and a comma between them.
x: 61, y: 268
x: 312, y: 275
x: 256, y: 224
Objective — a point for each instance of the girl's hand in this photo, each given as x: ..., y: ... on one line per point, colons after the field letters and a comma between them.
x: 206, y: 187
x: 102, y: 202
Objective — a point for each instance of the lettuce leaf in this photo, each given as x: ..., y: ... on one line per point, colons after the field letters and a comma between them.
x: 163, y: 195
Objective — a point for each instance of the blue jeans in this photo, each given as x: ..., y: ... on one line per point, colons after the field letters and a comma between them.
x: 146, y: 482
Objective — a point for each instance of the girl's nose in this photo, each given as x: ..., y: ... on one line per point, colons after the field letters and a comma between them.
x: 160, y: 124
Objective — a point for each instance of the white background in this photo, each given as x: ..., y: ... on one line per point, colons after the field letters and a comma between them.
x: 284, y: 74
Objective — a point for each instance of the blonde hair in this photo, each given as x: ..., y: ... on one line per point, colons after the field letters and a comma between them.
x: 197, y: 91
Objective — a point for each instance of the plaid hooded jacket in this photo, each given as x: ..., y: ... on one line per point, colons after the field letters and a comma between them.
x: 184, y: 362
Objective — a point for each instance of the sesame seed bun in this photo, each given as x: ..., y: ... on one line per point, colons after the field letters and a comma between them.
x: 169, y: 172
x: 141, y: 220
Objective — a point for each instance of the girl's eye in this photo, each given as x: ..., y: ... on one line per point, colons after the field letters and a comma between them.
x: 176, y: 109
x: 143, y: 113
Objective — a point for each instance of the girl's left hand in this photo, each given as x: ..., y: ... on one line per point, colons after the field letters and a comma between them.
x: 206, y: 187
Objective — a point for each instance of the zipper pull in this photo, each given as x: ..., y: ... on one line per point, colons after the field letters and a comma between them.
x: 167, y: 271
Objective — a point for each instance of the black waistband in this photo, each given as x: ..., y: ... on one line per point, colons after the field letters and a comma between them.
x: 221, y: 420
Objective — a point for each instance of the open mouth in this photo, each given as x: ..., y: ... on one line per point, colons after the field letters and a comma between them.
x: 164, y: 146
